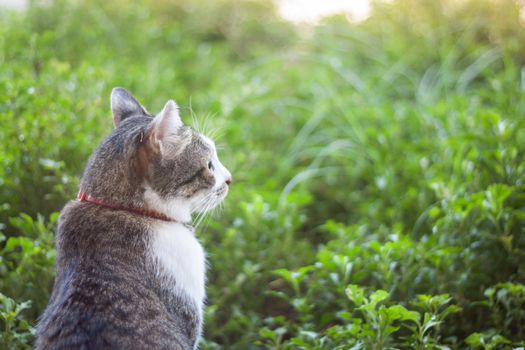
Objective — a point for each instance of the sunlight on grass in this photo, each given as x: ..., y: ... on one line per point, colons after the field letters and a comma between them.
x: 311, y: 11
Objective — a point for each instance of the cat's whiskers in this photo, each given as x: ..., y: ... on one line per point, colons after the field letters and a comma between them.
x: 205, y: 202
x: 199, y: 208
x: 203, y: 206
x: 215, y: 209
x: 209, y: 207
x: 202, y: 215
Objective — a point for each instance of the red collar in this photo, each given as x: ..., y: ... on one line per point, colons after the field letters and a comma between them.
x: 82, y: 197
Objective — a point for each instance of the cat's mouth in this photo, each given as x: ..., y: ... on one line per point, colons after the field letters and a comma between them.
x: 222, y: 191
x: 219, y: 195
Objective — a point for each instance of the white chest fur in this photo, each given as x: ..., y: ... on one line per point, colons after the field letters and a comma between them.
x: 180, y: 256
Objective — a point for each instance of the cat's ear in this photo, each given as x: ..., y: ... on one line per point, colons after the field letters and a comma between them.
x: 167, y: 121
x: 124, y: 105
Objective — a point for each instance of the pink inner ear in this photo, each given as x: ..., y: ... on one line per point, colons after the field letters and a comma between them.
x: 168, y: 120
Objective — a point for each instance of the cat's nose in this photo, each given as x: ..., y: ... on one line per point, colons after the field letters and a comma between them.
x: 229, y: 180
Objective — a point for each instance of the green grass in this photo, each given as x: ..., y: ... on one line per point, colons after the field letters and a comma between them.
x: 379, y: 167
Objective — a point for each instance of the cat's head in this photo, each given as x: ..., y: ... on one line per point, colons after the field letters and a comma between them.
x: 156, y: 163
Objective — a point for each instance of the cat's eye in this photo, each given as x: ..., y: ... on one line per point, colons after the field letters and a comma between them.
x: 210, y: 165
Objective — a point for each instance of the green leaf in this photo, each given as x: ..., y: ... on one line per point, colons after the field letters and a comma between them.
x: 356, y: 294
x: 378, y: 296
x: 399, y: 312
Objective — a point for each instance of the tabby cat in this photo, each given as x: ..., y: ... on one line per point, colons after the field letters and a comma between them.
x: 130, y: 271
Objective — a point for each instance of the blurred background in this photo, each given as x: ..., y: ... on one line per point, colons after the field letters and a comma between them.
x: 377, y: 149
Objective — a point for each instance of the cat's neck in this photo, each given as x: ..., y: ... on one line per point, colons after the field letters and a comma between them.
x: 177, y: 209
x: 152, y: 206
x: 83, y: 197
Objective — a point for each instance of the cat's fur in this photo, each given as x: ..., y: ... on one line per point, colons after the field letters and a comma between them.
x: 125, y: 280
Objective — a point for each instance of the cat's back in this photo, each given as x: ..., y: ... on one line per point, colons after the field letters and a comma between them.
x: 105, y: 294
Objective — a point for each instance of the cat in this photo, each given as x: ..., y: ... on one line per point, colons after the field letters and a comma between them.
x: 130, y: 271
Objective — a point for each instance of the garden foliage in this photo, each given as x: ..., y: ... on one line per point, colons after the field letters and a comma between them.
x: 378, y: 197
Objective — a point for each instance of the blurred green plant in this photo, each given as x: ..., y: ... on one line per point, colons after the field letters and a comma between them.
x: 16, y: 332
